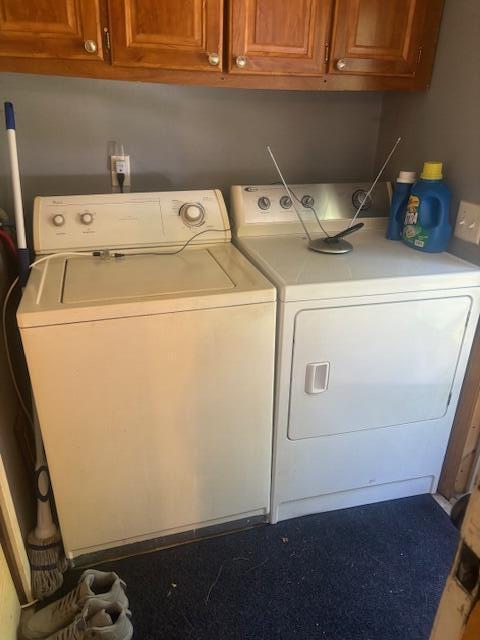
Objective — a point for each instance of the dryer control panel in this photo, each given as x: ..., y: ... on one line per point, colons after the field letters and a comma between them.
x: 269, y: 209
x: 129, y: 220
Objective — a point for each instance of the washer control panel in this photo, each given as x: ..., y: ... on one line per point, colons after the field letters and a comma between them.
x: 130, y: 220
x: 269, y: 210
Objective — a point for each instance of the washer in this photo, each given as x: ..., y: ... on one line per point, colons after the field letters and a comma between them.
x: 372, y: 348
x: 152, y: 374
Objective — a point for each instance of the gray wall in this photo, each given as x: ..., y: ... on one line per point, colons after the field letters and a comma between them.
x: 444, y: 123
x: 181, y: 137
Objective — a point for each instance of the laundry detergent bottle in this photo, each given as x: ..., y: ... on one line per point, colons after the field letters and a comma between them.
x: 398, y: 207
x: 427, y: 219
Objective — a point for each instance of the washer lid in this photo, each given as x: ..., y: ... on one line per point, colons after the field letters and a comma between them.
x: 85, y: 289
x: 375, y: 266
x: 94, y: 280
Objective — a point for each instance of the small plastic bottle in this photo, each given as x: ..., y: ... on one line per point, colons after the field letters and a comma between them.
x: 398, y: 207
x: 427, y: 219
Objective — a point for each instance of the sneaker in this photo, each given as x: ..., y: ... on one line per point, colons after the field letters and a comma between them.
x: 104, y: 587
x: 99, y: 622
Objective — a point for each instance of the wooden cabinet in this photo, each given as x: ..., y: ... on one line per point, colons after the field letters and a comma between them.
x: 282, y: 37
x: 377, y: 37
x: 51, y: 29
x: 167, y: 34
x: 279, y: 44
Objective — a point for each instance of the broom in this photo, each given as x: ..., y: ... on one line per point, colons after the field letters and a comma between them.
x: 44, y: 544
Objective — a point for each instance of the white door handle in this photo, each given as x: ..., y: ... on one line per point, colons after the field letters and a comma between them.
x: 316, y: 377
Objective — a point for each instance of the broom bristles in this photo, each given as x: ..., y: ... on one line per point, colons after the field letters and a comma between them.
x: 47, y: 562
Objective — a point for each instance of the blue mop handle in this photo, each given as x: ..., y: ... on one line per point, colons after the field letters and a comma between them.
x: 23, y: 254
x: 9, y: 116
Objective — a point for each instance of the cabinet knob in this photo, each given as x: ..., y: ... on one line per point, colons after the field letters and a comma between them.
x: 241, y: 62
x: 341, y: 64
x: 90, y: 46
x: 213, y: 59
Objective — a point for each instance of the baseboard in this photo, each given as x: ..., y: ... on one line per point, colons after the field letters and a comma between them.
x: 164, y: 542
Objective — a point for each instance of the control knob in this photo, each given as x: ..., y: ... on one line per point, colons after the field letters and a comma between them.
x: 285, y: 202
x: 58, y: 220
x: 86, y: 218
x: 192, y: 214
x: 308, y: 202
x: 360, y: 200
x: 264, y: 203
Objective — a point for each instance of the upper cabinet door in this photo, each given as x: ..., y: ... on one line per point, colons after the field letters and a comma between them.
x: 284, y: 37
x: 167, y: 34
x: 378, y: 37
x: 55, y: 29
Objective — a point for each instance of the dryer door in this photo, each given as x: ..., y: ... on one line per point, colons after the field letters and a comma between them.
x: 377, y: 365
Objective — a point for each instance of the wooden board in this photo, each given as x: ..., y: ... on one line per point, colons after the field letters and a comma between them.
x: 9, y: 604
x: 12, y: 541
x: 16, y: 490
x: 462, y: 449
x: 472, y: 629
x: 458, y: 616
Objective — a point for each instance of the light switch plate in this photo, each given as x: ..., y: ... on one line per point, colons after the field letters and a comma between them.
x: 467, y: 227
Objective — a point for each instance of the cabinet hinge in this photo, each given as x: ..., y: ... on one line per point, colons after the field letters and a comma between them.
x: 327, y: 53
x: 420, y: 51
x: 106, y: 33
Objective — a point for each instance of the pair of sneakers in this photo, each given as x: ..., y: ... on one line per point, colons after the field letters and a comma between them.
x: 97, y: 608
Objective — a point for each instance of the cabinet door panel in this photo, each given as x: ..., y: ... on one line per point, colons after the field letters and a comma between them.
x: 377, y: 37
x: 47, y: 29
x: 168, y: 34
x: 278, y: 36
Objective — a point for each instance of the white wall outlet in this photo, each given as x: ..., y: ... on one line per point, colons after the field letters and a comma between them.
x: 467, y: 227
x: 120, y: 164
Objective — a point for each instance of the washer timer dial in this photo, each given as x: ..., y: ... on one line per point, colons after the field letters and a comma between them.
x: 192, y: 214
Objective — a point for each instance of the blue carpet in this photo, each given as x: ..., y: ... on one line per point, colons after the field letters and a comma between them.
x: 368, y: 573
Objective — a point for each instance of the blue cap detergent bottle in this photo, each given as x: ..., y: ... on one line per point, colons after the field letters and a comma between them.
x: 400, y: 198
x: 427, y: 218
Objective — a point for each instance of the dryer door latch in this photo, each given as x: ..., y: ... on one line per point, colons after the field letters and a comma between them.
x: 316, y: 377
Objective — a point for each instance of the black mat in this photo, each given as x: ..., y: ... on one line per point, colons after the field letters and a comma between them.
x: 368, y: 573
